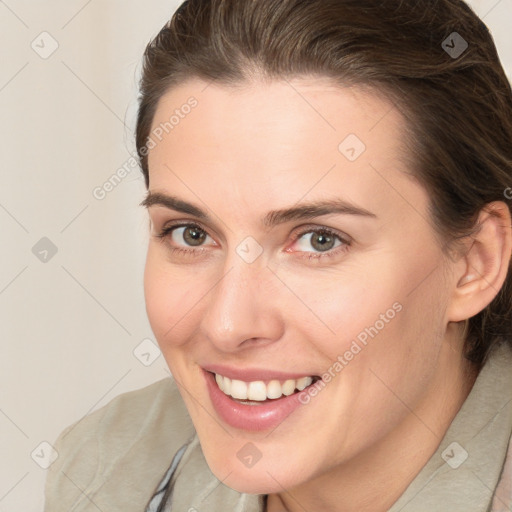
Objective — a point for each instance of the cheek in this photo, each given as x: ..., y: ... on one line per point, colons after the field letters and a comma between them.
x: 343, y: 306
x: 389, y: 299
x: 400, y: 359
x: 380, y: 326
x: 169, y: 297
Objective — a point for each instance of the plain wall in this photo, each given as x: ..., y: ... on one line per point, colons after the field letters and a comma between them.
x: 71, y: 321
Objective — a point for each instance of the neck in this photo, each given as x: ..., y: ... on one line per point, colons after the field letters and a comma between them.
x: 374, y: 480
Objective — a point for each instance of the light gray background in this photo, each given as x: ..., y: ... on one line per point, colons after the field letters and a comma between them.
x: 69, y: 325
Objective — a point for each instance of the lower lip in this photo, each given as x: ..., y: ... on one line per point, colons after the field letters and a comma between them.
x: 267, y: 416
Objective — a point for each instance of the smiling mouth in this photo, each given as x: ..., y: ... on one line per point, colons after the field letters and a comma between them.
x: 257, y: 392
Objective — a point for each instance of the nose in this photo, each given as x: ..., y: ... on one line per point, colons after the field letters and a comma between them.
x: 242, y: 309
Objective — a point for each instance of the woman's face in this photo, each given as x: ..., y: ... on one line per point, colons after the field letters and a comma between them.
x: 354, y: 291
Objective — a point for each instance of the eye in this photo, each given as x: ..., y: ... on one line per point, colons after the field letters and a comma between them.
x: 324, y: 241
x: 189, y: 239
x: 184, y: 238
x: 191, y: 234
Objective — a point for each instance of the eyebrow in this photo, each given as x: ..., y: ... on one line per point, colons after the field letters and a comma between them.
x: 272, y: 218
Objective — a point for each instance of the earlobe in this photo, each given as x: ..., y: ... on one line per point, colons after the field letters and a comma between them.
x: 485, y: 265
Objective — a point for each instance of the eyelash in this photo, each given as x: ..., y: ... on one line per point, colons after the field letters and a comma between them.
x: 307, y: 255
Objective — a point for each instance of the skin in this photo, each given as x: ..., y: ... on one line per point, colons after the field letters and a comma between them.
x: 262, y: 146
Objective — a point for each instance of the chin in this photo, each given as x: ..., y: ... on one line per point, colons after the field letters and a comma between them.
x: 264, y: 477
x: 251, y: 482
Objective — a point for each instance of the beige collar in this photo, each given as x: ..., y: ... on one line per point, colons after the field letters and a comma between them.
x: 462, y: 475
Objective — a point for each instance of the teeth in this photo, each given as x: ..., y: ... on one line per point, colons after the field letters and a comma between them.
x: 303, y: 383
x: 220, y: 381
x: 274, y: 389
x: 289, y: 387
x: 239, y: 389
x: 258, y: 391
x: 226, y: 387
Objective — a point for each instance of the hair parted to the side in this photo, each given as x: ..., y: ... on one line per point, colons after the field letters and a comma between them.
x: 458, y: 110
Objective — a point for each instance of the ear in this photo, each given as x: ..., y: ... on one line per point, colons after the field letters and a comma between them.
x: 482, y: 270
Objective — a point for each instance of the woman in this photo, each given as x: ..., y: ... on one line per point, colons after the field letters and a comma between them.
x: 328, y: 273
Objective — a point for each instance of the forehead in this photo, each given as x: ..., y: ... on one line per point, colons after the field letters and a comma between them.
x: 285, y: 107
x: 280, y: 141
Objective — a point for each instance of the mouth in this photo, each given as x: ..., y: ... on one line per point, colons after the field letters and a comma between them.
x: 258, y: 392
x: 254, y: 399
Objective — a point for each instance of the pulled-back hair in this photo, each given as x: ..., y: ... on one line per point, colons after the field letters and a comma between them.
x: 457, y: 101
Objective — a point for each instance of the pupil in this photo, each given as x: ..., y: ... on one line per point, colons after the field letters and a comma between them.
x: 322, y: 242
x: 194, y: 236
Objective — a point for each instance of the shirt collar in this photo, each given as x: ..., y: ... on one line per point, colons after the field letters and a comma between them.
x: 465, y: 470
x: 461, y: 475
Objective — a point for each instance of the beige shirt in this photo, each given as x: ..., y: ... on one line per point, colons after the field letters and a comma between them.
x: 114, y: 459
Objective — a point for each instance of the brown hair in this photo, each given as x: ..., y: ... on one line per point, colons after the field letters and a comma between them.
x: 458, y: 107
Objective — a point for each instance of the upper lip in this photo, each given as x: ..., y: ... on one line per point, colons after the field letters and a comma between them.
x: 254, y: 374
